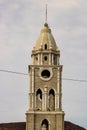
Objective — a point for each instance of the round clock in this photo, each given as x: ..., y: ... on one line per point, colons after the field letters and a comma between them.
x: 46, y: 74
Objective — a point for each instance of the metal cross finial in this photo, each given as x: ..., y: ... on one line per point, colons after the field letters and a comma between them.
x: 46, y: 13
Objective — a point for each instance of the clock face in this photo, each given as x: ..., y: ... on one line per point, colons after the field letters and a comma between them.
x: 46, y: 74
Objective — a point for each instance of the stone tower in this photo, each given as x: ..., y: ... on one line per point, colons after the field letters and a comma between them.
x: 45, y: 90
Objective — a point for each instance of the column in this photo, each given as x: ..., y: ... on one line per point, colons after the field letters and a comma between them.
x: 49, y: 126
x: 30, y: 101
x: 59, y: 87
x: 30, y: 90
x: 32, y: 87
x: 38, y: 59
x: 32, y: 79
x: 56, y: 101
x: 58, y: 90
x: 49, y: 58
x: 57, y: 60
x: 41, y: 59
x: 52, y: 60
x: 45, y: 99
x: 35, y: 102
x: 32, y: 59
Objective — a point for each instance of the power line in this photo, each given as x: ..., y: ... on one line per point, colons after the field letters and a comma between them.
x: 78, y: 80
x: 20, y: 73
x: 14, y: 72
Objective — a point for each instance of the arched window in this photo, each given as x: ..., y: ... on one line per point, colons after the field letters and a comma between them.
x: 39, y: 94
x: 45, y: 58
x: 39, y: 99
x: 55, y: 60
x: 45, y: 125
x: 52, y: 92
x: 45, y: 46
x: 51, y: 99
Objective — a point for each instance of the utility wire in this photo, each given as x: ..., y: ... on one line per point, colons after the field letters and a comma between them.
x: 14, y: 72
x: 78, y: 80
x: 20, y: 73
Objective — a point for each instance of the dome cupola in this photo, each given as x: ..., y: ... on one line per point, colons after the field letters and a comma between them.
x: 45, y: 51
x: 45, y: 40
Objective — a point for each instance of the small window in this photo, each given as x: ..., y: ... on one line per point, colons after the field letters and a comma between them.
x: 45, y: 46
x: 45, y: 58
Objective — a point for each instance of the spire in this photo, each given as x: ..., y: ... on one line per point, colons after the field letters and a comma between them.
x: 46, y: 14
x: 46, y: 25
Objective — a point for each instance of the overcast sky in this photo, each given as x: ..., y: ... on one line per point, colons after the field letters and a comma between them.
x: 20, y: 25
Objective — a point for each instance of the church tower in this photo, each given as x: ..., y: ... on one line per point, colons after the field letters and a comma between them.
x: 45, y: 90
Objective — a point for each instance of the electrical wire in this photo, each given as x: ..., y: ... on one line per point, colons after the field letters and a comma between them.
x: 20, y: 73
x: 78, y: 80
x: 14, y: 72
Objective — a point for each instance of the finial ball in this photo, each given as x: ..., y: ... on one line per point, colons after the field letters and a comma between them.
x: 46, y: 25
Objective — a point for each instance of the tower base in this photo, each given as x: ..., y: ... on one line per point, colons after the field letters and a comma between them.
x: 45, y: 120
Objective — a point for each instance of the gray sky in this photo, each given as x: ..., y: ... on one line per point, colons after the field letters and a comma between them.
x: 20, y: 25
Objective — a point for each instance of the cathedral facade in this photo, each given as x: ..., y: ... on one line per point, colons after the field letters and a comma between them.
x: 45, y: 90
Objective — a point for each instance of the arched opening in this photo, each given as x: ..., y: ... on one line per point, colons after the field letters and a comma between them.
x: 39, y: 94
x: 39, y: 99
x: 55, y: 60
x: 45, y: 58
x: 51, y: 99
x: 45, y: 46
x: 45, y: 125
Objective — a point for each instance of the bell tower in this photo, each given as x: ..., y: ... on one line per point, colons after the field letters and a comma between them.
x: 45, y: 90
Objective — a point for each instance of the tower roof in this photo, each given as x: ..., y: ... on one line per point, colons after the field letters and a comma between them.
x: 46, y: 38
